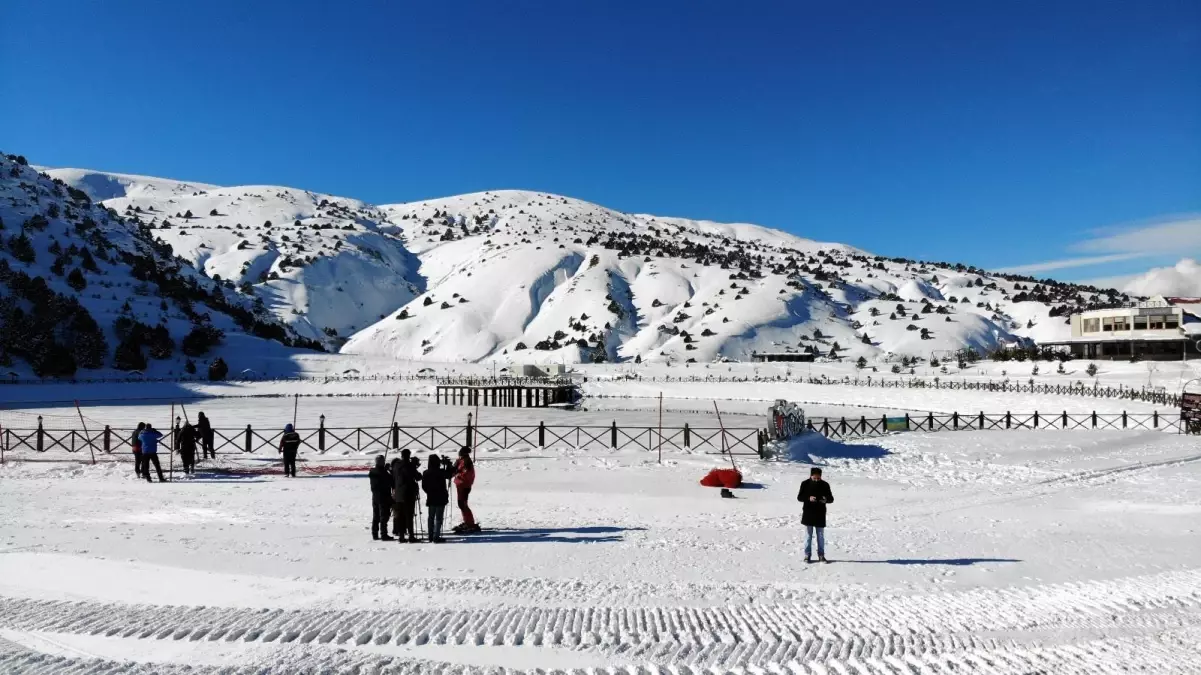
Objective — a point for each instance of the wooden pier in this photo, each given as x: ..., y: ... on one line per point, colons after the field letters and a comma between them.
x: 516, y: 393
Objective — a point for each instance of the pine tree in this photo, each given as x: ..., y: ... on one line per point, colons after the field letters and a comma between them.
x: 87, y: 261
x: 861, y: 363
x: 21, y: 248
x: 128, y: 355
x: 75, y: 280
x: 86, y: 340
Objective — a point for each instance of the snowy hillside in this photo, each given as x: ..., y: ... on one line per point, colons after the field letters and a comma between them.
x: 536, y: 277
x: 533, y: 277
x: 83, y: 288
x: 326, y: 266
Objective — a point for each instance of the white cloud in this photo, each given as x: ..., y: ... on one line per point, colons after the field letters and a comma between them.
x: 1181, y: 280
x: 1048, y: 265
x: 1176, y: 235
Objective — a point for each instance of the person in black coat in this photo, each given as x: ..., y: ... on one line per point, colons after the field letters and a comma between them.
x: 381, y: 499
x: 186, y: 443
x: 204, y: 431
x: 437, y: 495
x: 406, y: 477
x: 814, y: 495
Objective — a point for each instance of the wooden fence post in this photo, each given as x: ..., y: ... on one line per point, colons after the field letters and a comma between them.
x: 248, y: 447
x: 107, y: 439
x: 1008, y: 420
x: 907, y: 428
x: 321, y: 435
x: 826, y: 427
x: 40, y: 434
x: 955, y: 421
x: 688, y: 436
x: 1155, y: 419
x: 1035, y: 419
x: 613, y: 435
x: 396, y: 436
x: 863, y: 425
x: 981, y: 420
x: 1094, y: 419
x: 541, y: 434
x: 1065, y: 419
x: 1123, y: 419
x: 930, y: 422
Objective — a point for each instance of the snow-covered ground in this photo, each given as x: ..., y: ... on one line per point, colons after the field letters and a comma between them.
x: 1009, y: 552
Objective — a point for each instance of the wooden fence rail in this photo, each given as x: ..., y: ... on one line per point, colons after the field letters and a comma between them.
x: 448, y: 439
x: 445, y: 439
x: 860, y: 427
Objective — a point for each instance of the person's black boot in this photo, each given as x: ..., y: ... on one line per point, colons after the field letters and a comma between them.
x: 822, y: 558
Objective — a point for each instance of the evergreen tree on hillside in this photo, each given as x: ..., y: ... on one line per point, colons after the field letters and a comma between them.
x: 86, y: 341
x: 75, y: 280
x: 21, y: 248
x: 128, y: 355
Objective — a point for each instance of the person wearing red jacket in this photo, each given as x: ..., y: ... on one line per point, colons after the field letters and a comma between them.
x: 464, y: 479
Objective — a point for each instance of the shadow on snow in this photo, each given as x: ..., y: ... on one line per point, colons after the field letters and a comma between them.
x: 589, y: 535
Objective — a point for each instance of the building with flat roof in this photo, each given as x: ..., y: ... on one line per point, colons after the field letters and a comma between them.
x: 1156, y: 329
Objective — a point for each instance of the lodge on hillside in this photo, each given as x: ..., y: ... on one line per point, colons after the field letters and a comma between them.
x: 1160, y: 329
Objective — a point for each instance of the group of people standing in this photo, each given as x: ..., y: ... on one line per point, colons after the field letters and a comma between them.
x: 396, y: 488
x: 146, y: 440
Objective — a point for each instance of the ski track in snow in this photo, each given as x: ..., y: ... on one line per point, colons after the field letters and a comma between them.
x: 1150, y: 621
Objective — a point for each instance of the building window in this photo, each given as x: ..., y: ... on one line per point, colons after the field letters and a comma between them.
x: 1140, y: 323
x: 1121, y: 323
x: 1171, y: 321
x: 1107, y: 324
x: 1091, y: 325
x: 1156, y: 322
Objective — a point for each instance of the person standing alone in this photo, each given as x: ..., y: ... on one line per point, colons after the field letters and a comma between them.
x: 814, y: 495
x: 289, y: 445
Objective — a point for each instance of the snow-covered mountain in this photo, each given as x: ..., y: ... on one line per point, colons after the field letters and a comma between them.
x: 535, y: 277
x: 326, y: 266
x: 81, y: 287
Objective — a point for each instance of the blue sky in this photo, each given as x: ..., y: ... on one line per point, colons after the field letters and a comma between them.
x: 1002, y: 134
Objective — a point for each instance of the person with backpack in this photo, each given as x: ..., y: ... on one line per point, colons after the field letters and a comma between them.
x: 289, y: 445
x: 434, y: 482
x: 464, y: 479
x: 149, y: 438
x: 137, y: 449
x: 381, y: 499
x: 186, y: 444
x: 814, y: 495
x: 205, y: 432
